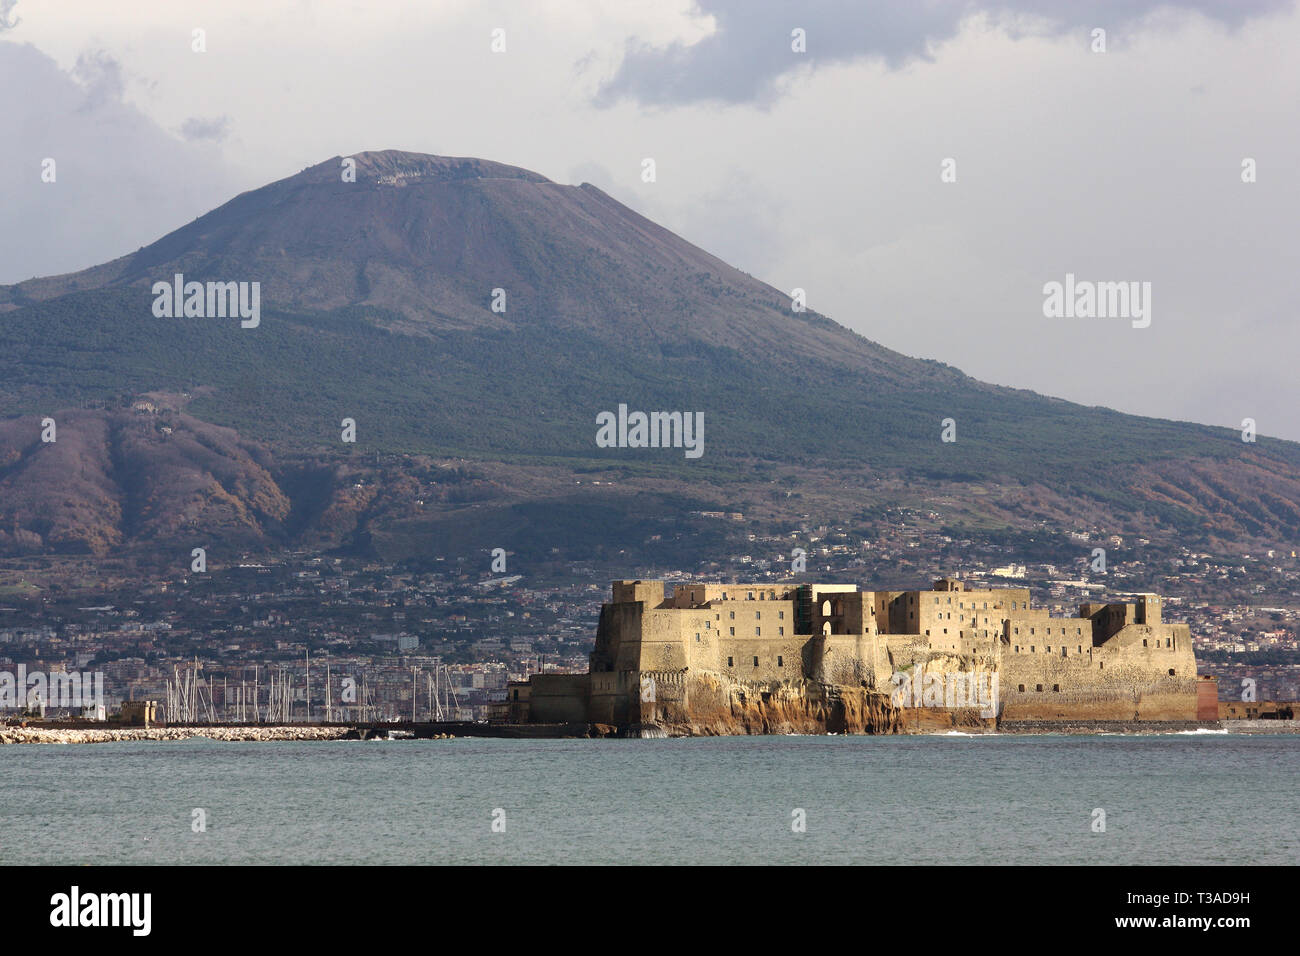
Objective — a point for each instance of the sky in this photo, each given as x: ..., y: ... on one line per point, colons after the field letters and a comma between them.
x: 921, y: 169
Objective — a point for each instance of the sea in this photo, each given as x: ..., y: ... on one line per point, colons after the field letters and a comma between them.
x: 1188, y: 798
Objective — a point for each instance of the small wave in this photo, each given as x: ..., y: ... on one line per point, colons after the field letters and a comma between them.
x: 1202, y: 730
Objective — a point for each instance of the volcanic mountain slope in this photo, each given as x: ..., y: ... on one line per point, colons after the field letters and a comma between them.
x: 429, y: 238
x: 110, y: 476
x: 377, y: 305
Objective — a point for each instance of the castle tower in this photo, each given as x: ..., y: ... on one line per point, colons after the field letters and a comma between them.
x: 1148, y: 609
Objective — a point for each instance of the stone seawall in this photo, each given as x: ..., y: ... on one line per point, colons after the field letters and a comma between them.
x: 1261, y: 726
x: 1086, y: 726
x: 1148, y: 726
x: 91, y: 735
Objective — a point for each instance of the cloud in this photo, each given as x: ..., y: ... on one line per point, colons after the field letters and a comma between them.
x: 101, y: 77
x: 197, y: 128
x: 6, y: 9
x: 749, y: 52
x: 120, y: 180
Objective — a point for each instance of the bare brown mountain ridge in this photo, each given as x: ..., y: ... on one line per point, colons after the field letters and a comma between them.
x: 432, y: 245
x: 377, y: 305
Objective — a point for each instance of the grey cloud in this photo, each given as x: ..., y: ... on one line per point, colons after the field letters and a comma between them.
x: 215, y: 130
x: 6, y: 9
x: 122, y: 181
x: 101, y: 76
x: 594, y: 173
x: 750, y: 49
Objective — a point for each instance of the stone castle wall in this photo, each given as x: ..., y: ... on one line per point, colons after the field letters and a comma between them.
x: 727, y: 659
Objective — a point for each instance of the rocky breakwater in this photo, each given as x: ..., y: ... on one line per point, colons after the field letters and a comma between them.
x: 100, y: 735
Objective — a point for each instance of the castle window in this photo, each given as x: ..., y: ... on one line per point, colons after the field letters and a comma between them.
x: 1101, y: 665
x: 1049, y: 650
x: 758, y: 632
x: 1031, y: 630
x: 780, y: 631
x: 732, y: 630
x: 945, y: 630
x: 1056, y: 688
x: 708, y: 625
x: 1167, y: 644
x: 936, y: 600
x: 826, y: 608
x: 697, y: 638
x: 762, y: 595
x: 758, y: 615
x: 1032, y: 649
x: 1039, y: 688
x: 1017, y: 630
x: 927, y: 632
x: 780, y: 615
x: 733, y: 615
x: 755, y: 661
x: 1022, y: 688
x: 780, y: 661
x: 1171, y: 672
x: 1144, y: 642
x: 1080, y: 648
x: 751, y: 596
x: 1017, y: 648
x: 731, y: 662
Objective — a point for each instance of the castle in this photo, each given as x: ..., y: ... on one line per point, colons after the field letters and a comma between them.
x: 810, y: 658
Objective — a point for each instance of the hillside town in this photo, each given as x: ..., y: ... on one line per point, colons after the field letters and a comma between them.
x: 445, y: 639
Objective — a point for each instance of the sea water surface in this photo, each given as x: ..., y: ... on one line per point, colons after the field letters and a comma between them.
x: 1172, y: 799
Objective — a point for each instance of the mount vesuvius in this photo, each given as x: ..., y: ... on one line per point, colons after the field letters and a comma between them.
x: 477, y: 425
